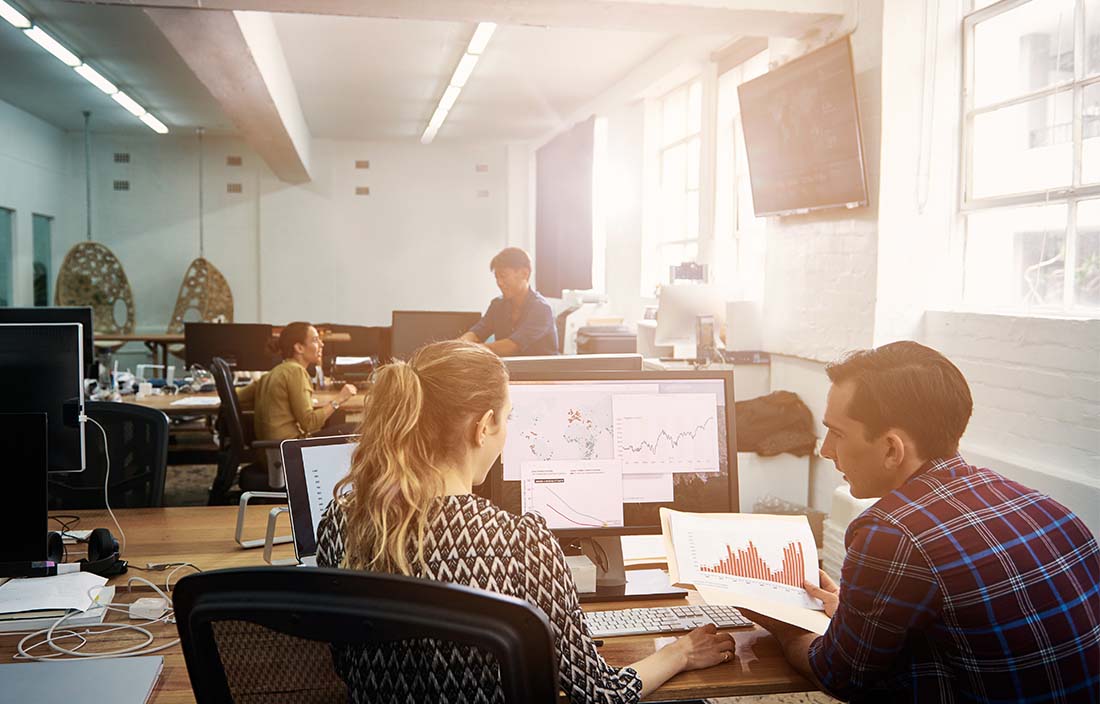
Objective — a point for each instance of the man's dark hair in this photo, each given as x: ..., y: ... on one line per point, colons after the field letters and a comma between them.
x: 511, y: 258
x: 911, y: 387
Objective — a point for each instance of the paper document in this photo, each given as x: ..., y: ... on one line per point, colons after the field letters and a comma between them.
x: 197, y: 401
x: 61, y: 592
x: 755, y: 561
x: 352, y: 361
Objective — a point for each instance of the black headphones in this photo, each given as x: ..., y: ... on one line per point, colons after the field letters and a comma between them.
x: 103, y: 558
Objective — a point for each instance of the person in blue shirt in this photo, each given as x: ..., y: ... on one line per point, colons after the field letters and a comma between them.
x: 520, y: 320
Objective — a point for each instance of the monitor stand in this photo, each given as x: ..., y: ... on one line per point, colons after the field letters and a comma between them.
x: 615, y: 583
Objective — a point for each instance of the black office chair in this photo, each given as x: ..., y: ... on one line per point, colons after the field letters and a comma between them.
x: 269, y: 634
x: 137, y: 444
x: 238, y: 444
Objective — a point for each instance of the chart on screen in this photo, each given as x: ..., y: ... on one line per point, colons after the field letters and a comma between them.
x: 666, y: 433
x: 575, y: 493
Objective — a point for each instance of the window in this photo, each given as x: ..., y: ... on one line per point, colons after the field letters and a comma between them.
x: 676, y: 235
x: 1031, y: 155
x: 42, y: 228
x: 7, y: 256
x: 738, y: 264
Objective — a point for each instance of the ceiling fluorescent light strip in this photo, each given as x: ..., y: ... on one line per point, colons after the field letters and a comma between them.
x: 128, y: 103
x: 461, y: 74
x: 14, y: 17
x: 92, y: 76
x: 53, y: 46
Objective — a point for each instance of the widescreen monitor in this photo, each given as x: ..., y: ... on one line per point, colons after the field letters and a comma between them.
x: 245, y: 346
x: 41, y: 371
x: 412, y: 329
x: 599, y: 453
x: 23, y: 510
x: 60, y: 314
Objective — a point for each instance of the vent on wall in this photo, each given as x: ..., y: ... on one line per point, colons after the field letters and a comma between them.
x: 122, y: 185
x: 122, y: 157
x: 234, y: 188
x: 362, y: 190
x: 233, y: 161
x: 362, y: 163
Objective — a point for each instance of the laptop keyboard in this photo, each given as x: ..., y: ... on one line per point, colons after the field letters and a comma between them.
x: 662, y: 619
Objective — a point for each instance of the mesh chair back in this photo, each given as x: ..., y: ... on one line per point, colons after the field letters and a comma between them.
x: 281, y: 634
x: 231, y: 424
x: 137, y: 443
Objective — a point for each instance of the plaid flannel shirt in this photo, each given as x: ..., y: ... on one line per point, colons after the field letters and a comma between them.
x: 964, y: 586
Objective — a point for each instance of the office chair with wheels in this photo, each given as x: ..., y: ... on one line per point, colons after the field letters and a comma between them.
x: 137, y: 444
x: 238, y: 460
x: 272, y: 634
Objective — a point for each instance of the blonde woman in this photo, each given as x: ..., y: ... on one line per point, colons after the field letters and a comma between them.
x: 432, y: 429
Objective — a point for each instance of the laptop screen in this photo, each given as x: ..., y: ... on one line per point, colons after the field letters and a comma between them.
x: 313, y: 466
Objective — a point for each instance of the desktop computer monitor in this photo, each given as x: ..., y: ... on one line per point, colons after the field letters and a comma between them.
x: 597, y: 454
x: 678, y: 308
x: 41, y: 371
x: 23, y: 510
x: 60, y: 314
x: 574, y: 363
x: 245, y: 346
x: 412, y: 329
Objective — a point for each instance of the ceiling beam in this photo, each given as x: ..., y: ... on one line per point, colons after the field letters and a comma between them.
x: 727, y: 17
x: 240, y: 62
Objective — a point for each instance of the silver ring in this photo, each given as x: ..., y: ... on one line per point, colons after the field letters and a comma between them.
x: 726, y: 656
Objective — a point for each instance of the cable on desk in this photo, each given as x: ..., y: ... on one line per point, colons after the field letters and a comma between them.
x: 106, y: 479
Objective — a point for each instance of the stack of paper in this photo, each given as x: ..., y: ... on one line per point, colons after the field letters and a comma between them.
x: 33, y: 603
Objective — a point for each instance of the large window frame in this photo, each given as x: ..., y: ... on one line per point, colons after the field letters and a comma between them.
x: 1073, y: 194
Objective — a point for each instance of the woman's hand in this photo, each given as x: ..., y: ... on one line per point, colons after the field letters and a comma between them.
x: 703, y: 647
x: 828, y: 592
x: 347, y: 392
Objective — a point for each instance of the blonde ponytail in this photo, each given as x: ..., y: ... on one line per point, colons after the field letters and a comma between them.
x: 416, y: 417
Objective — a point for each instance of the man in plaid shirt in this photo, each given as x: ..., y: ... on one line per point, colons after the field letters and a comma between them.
x: 959, y: 584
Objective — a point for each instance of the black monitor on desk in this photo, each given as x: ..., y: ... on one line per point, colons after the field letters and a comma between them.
x: 412, y: 329
x: 60, y: 314
x: 41, y: 371
x: 245, y: 346
x: 597, y: 454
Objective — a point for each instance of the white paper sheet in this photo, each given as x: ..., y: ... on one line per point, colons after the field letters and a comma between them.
x: 197, y: 401
x: 63, y: 591
x: 647, y: 488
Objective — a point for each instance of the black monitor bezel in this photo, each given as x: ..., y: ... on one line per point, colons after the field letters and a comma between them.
x: 496, y: 474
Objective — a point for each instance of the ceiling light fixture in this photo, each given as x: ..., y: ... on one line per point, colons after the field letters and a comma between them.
x: 465, y: 67
x: 128, y: 103
x: 92, y: 76
x: 154, y: 124
x: 14, y: 17
x: 53, y: 46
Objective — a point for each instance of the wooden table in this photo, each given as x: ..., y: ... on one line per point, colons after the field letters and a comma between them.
x: 204, y: 536
x: 164, y: 402
x: 157, y: 344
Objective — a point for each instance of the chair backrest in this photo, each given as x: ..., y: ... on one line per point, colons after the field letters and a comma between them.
x: 230, y: 409
x: 204, y: 291
x: 271, y: 633
x: 137, y: 446
x: 91, y: 275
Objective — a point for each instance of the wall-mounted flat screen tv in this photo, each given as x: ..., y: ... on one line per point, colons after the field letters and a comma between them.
x: 802, y: 137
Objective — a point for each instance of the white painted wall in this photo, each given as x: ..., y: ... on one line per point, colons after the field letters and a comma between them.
x: 35, y: 177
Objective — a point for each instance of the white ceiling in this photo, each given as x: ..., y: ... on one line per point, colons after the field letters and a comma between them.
x: 123, y: 45
x: 381, y: 78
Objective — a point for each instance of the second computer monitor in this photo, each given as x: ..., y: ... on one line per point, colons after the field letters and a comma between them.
x: 679, y: 306
x: 412, y: 329
x: 245, y: 346
x: 599, y: 453
x: 60, y: 314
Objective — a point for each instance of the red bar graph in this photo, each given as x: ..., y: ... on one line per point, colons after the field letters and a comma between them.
x: 748, y: 563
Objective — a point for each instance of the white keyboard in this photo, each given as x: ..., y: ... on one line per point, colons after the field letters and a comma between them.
x: 662, y: 619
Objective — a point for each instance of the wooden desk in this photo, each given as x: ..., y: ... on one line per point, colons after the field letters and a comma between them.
x: 164, y: 402
x: 157, y: 343
x: 204, y: 536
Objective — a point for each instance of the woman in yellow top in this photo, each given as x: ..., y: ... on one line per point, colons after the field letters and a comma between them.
x: 283, y: 398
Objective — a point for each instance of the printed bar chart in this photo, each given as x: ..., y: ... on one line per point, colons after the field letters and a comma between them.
x: 748, y: 563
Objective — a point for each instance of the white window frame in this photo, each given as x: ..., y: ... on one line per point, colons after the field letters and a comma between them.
x: 1071, y: 195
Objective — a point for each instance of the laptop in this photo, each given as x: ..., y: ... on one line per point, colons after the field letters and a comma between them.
x: 312, y: 467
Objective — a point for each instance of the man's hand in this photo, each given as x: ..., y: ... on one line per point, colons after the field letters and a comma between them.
x: 828, y: 592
